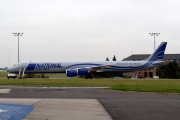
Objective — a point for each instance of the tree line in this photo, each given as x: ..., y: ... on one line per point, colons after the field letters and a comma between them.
x: 3, y: 68
x: 114, y: 58
x: 170, y: 70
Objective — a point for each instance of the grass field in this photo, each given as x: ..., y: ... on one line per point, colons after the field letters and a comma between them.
x: 143, y: 85
x: 56, y: 74
x: 3, y: 74
x: 171, y: 86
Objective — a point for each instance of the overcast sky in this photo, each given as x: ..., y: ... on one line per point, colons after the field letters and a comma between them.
x: 86, y: 30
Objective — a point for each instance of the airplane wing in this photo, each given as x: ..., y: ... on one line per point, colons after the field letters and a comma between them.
x: 98, y: 68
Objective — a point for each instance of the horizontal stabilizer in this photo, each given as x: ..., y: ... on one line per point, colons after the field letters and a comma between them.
x: 163, y: 62
x: 158, y: 53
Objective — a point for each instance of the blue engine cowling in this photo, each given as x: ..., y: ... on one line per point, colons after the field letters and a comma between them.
x: 71, y: 73
x: 83, y: 71
x: 76, y: 72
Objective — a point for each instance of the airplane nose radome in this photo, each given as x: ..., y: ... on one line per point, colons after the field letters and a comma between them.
x: 7, y: 70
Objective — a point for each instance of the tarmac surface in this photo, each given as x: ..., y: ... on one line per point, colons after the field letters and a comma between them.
x: 52, y: 109
x: 120, y: 105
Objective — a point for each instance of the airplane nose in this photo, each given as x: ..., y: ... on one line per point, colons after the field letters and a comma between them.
x: 8, y: 69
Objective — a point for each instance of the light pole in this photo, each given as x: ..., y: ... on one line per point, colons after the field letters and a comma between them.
x: 18, y: 34
x: 154, y: 34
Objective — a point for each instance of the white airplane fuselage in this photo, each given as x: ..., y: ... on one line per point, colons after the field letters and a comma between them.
x: 84, y: 68
x: 61, y: 67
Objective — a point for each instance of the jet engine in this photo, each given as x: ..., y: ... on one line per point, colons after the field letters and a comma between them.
x: 76, y: 72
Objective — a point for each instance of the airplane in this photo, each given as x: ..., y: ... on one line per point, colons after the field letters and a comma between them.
x: 87, y: 68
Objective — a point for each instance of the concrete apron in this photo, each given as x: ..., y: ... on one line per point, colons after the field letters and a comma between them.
x: 62, y: 109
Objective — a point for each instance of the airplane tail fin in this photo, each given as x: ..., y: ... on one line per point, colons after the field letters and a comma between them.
x: 158, y: 53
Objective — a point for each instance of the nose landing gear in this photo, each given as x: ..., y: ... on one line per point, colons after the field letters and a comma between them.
x: 21, y: 73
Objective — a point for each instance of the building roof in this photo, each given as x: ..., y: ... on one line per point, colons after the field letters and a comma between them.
x: 144, y: 56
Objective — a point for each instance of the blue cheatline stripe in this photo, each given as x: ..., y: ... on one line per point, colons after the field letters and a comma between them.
x: 31, y: 66
x: 14, y: 111
x: 120, y: 67
x: 160, y: 55
x: 156, y: 56
x: 160, y: 49
x: 83, y: 64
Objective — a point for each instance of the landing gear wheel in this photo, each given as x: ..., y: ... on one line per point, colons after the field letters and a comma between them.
x: 88, y: 77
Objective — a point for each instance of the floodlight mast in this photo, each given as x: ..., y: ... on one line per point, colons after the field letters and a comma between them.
x: 154, y: 34
x: 18, y: 34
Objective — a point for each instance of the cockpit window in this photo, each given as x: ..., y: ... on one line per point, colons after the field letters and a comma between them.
x: 15, y: 65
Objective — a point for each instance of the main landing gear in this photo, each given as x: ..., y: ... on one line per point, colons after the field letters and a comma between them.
x: 88, y: 77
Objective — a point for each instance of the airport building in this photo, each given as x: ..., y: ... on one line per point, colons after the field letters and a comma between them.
x: 147, y: 72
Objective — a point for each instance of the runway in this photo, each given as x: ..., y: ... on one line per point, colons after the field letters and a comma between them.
x: 120, y: 105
